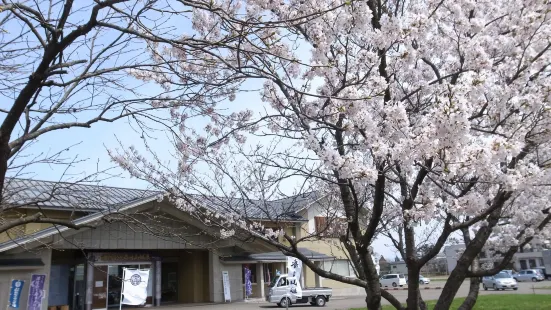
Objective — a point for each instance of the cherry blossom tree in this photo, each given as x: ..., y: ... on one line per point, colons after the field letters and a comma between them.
x: 407, y: 113
x: 74, y: 64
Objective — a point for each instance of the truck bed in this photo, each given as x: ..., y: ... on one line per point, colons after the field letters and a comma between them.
x: 314, y: 291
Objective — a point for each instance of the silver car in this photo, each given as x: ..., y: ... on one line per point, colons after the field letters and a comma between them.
x: 500, y: 281
x: 529, y: 275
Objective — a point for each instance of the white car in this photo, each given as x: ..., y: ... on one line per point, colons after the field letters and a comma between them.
x: 393, y: 280
x: 500, y: 281
x: 423, y: 280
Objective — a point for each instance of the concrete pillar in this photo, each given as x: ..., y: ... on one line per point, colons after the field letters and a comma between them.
x: 157, y: 290
x: 302, y: 276
x: 318, y: 279
x: 216, y: 289
x: 260, y: 278
x: 89, y: 282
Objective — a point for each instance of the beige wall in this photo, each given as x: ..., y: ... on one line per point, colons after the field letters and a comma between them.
x: 6, y: 276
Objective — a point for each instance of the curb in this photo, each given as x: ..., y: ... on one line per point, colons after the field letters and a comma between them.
x: 405, y: 288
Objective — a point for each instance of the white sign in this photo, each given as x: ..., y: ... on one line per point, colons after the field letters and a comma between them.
x: 294, y: 267
x: 226, y: 283
x: 134, y: 287
x: 98, y: 284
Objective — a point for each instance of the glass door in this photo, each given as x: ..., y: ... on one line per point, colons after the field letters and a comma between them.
x: 79, y: 287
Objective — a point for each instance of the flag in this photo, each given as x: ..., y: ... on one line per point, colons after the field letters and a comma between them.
x: 294, y: 267
x: 134, y: 289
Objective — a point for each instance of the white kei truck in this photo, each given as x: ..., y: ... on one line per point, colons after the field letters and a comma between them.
x: 283, y: 291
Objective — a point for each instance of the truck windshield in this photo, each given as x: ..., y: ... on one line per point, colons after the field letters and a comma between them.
x: 274, y: 281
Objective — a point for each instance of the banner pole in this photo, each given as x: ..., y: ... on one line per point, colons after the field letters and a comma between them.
x: 122, y: 286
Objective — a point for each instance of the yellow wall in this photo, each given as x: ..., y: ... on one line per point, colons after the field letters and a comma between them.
x: 33, y: 227
x: 328, y: 246
x: 193, y: 277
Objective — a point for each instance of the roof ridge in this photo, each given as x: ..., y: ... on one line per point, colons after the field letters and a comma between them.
x: 81, y: 184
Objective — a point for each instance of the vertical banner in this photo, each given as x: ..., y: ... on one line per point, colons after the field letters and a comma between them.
x: 36, y: 292
x: 15, y: 293
x: 248, y: 284
x: 294, y: 267
x: 134, y: 289
x: 226, y: 284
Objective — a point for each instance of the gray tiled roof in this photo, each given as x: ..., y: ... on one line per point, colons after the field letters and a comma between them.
x: 275, y: 210
x: 62, y: 195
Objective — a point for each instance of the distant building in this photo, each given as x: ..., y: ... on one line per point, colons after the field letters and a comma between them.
x: 384, y: 265
x: 531, y: 256
x: 398, y: 267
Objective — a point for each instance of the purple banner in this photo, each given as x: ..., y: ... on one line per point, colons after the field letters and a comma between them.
x: 248, y: 284
x: 36, y: 292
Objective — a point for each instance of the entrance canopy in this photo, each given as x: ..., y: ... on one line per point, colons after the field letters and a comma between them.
x: 274, y: 257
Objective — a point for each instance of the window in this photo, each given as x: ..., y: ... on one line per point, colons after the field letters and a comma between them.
x: 340, y: 266
x: 402, y: 276
x: 334, y: 227
x: 394, y: 267
x: 540, y: 261
x: 532, y: 263
x: 529, y: 272
x: 523, y: 264
x: 283, y: 282
x: 251, y: 267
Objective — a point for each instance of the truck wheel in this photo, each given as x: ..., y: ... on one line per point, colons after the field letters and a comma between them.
x: 285, y: 302
x: 320, y: 301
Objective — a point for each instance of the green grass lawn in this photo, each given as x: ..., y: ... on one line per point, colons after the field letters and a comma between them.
x: 499, y: 302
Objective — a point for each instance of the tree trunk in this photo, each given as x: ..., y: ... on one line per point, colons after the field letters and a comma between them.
x: 373, y: 289
x: 372, y: 299
x: 474, y: 286
x: 413, y: 288
x: 470, y: 301
x: 456, y: 278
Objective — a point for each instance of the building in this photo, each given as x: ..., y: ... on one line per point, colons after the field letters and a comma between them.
x: 531, y: 256
x: 398, y: 267
x: 129, y: 228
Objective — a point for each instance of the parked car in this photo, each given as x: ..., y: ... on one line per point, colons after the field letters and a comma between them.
x: 393, y: 280
x: 422, y: 280
x: 500, y: 281
x: 508, y: 271
x: 529, y: 275
x: 543, y: 272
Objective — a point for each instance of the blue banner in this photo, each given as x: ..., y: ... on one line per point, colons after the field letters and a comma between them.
x: 15, y: 292
x: 36, y: 292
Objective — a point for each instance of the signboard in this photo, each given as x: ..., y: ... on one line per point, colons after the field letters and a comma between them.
x: 36, y: 292
x: 15, y: 293
x: 226, y: 284
x: 122, y: 257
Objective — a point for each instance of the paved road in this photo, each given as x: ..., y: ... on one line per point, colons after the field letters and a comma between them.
x: 345, y: 303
